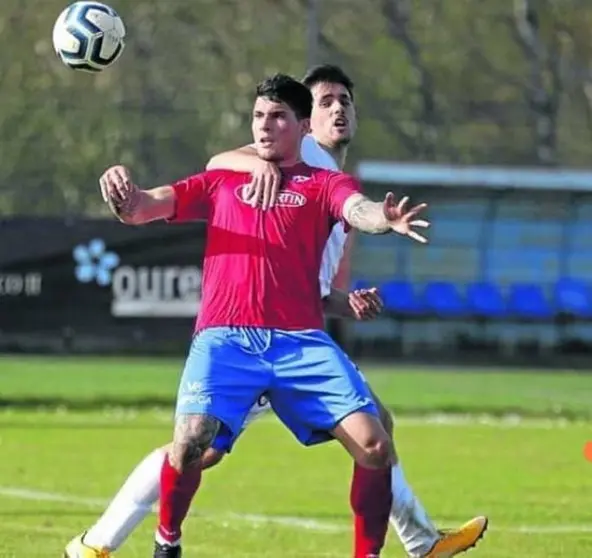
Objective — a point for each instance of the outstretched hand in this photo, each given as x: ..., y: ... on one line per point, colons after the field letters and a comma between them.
x: 402, y: 220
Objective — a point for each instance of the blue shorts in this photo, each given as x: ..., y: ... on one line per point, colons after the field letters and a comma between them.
x: 225, y: 440
x: 311, y: 383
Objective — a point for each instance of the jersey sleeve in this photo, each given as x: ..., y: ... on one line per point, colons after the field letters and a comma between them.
x: 194, y: 196
x: 340, y: 187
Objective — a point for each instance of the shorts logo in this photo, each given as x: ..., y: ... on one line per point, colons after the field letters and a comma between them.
x: 192, y: 395
x: 286, y: 198
x: 193, y: 387
x: 194, y: 400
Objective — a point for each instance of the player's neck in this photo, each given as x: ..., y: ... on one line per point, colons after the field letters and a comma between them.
x: 292, y: 162
x: 338, y: 154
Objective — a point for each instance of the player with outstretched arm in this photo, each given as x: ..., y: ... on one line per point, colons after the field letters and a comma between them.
x: 142, y: 207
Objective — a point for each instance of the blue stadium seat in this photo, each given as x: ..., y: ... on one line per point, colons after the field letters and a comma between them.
x: 444, y: 299
x: 528, y: 301
x: 485, y: 300
x: 573, y: 297
x: 400, y: 297
x: 361, y: 284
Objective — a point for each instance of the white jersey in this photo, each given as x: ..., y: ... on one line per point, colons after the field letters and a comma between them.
x: 315, y: 156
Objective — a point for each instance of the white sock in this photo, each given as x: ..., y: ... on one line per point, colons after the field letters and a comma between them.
x: 130, y: 506
x: 409, y: 519
x: 163, y: 542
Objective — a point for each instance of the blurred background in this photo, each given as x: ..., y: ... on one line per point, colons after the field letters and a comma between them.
x: 482, y: 109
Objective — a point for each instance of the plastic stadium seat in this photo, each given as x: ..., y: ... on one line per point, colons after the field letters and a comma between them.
x: 361, y: 284
x: 527, y: 300
x: 485, y: 300
x: 444, y: 299
x: 399, y: 296
x: 573, y: 297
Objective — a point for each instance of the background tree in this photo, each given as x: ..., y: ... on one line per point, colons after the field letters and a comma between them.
x: 463, y: 82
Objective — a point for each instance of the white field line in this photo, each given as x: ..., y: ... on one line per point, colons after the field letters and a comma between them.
x: 67, y: 534
x: 126, y: 416
x: 310, y: 524
x: 445, y: 419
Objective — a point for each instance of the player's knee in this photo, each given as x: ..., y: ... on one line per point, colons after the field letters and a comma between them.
x: 211, y: 458
x: 376, y: 453
x: 193, y: 436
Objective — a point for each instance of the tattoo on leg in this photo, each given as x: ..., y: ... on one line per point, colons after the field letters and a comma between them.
x: 193, y: 436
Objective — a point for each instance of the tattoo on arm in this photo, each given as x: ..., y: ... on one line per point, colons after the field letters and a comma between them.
x: 193, y: 436
x: 367, y: 216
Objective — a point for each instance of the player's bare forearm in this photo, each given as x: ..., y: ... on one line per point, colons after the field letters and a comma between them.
x: 365, y: 215
x: 337, y: 304
x: 242, y: 159
x: 144, y: 206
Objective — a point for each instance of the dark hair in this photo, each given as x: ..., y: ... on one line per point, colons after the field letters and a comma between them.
x: 285, y: 89
x: 327, y: 73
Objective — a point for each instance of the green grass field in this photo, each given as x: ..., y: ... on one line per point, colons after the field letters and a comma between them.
x: 71, y: 429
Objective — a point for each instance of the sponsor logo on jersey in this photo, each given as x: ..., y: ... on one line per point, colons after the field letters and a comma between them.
x: 289, y: 198
x: 286, y: 198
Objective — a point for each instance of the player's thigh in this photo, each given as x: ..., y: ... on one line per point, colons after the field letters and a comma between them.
x: 384, y: 414
x: 316, y: 385
x: 220, y: 379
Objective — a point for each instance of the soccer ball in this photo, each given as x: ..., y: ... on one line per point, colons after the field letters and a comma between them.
x: 88, y: 36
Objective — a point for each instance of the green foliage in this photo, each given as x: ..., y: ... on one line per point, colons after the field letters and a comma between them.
x: 463, y: 81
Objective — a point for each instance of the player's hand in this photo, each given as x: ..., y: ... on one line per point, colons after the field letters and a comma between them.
x: 265, y: 185
x: 118, y: 189
x: 403, y: 220
x: 366, y: 304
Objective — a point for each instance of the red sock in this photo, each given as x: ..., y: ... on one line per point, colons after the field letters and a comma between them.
x: 371, y: 499
x: 176, y: 492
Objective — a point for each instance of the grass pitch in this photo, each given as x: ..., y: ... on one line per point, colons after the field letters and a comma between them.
x: 71, y: 430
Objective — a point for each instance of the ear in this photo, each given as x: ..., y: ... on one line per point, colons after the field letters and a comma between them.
x: 304, y: 126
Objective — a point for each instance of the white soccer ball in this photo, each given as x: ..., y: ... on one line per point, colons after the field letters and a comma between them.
x: 88, y: 36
